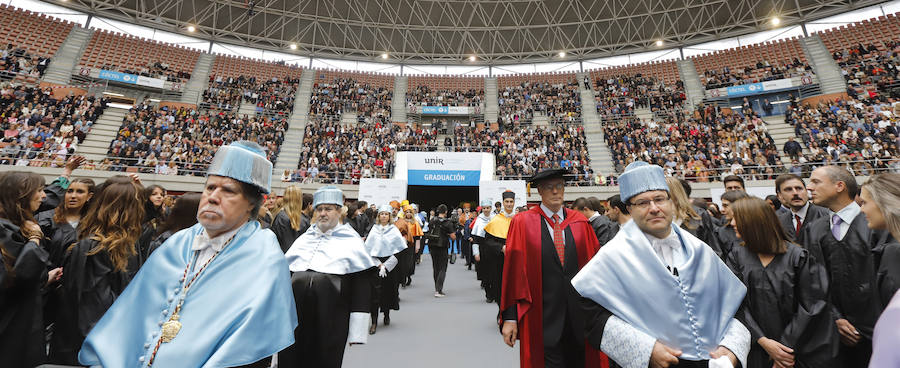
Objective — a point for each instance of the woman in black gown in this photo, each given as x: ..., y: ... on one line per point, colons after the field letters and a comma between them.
x: 100, y: 265
x: 23, y: 270
x: 786, y: 307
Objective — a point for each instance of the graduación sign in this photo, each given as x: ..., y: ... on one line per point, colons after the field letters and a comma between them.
x: 444, y: 168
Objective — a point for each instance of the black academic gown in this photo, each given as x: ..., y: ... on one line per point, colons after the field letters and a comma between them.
x: 327, y: 300
x: 90, y: 285
x: 887, y: 276
x: 57, y: 236
x: 850, y: 266
x: 603, y: 228
x: 286, y: 235
x: 21, y: 320
x: 786, y: 301
x: 787, y: 221
x: 490, y: 249
x: 724, y: 241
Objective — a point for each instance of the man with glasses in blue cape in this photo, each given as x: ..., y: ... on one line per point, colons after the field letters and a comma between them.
x: 217, y: 294
x: 657, y: 296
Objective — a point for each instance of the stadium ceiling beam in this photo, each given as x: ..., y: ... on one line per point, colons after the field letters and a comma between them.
x: 438, y: 32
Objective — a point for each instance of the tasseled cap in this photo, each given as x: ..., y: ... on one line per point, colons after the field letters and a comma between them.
x: 509, y: 194
x: 243, y: 161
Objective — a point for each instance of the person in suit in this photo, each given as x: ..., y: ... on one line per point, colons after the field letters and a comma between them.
x: 545, y: 247
x: 603, y: 227
x: 844, y: 242
x: 793, y: 194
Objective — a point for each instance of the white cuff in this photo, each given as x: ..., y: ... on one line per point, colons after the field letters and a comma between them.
x: 475, y: 251
x: 359, y: 327
x: 737, y: 339
x: 626, y: 345
x: 391, y: 263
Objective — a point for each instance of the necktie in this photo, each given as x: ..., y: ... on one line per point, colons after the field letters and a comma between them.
x: 836, y: 226
x: 799, y: 223
x: 558, y: 240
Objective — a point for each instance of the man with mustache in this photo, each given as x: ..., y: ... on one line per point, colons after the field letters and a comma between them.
x: 333, y: 275
x: 792, y: 193
x: 216, y: 294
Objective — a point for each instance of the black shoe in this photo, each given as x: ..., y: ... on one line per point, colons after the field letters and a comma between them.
x: 387, y: 319
x: 488, y: 300
x: 372, y: 329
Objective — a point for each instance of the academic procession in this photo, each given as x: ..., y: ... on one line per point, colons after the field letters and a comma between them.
x: 236, y: 276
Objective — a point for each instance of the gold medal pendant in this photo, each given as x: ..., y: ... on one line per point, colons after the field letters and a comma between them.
x: 170, y: 328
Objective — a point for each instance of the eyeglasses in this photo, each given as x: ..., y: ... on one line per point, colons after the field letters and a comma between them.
x: 645, y: 203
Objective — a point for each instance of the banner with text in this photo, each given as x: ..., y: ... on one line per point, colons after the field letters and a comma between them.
x: 444, y: 168
x: 131, y: 79
x: 381, y: 191
x: 443, y: 110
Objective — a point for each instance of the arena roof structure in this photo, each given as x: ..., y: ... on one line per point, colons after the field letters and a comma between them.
x: 477, y: 32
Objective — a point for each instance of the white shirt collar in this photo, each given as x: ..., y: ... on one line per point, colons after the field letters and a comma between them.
x: 550, y: 214
x: 596, y: 214
x: 218, y: 243
x: 802, y: 212
x: 848, y: 213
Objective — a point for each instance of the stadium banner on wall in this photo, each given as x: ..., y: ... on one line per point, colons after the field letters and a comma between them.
x: 492, y: 190
x: 381, y: 191
x: 744, y: 89
x: 132, y: 79
x: 118, y: 77
x: 445, y: 110
x: 151, y: 82
x: 777, y: 84
x: 759, y: 88
x: 443, y: 168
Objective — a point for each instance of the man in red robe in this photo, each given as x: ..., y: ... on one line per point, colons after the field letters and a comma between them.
x: 545, y: 247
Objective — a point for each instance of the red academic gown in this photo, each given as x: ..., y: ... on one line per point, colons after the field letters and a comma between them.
x: 522, y: 285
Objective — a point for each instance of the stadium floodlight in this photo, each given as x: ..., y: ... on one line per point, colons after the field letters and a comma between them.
x: 472, y: 58
x: 659, y: 42
x: 191, y: 28
x: 776, y: 21
x: 562, y: 54
x: 293, y: 46
x: 384, y: 56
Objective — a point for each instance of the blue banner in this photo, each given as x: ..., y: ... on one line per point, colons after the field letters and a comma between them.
x: 118, y: 77
x: 745, y: 89
x: 436, y: 110
x: 460, y: 178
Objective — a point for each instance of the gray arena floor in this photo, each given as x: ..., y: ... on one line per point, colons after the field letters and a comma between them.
x: 459, y: 330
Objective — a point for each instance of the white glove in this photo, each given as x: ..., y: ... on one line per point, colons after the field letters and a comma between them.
x: 382, y: 271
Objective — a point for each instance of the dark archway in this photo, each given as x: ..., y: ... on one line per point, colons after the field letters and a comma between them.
x: 428, y: 197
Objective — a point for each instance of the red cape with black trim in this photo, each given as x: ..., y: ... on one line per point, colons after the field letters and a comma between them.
x: 522, y: 285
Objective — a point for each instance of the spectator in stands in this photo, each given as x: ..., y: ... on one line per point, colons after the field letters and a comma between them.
x: 183, y: 141
x: 560, y: 102
x: 372, y: 104
x: 39, y: 130
x: 445, y: 97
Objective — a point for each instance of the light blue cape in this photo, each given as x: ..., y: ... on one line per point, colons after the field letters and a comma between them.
x: 240, y: 310
x: 690, y: 311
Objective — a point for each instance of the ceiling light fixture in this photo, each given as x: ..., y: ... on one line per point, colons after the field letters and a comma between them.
x: 191, y: 28
x: 293, y: 46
